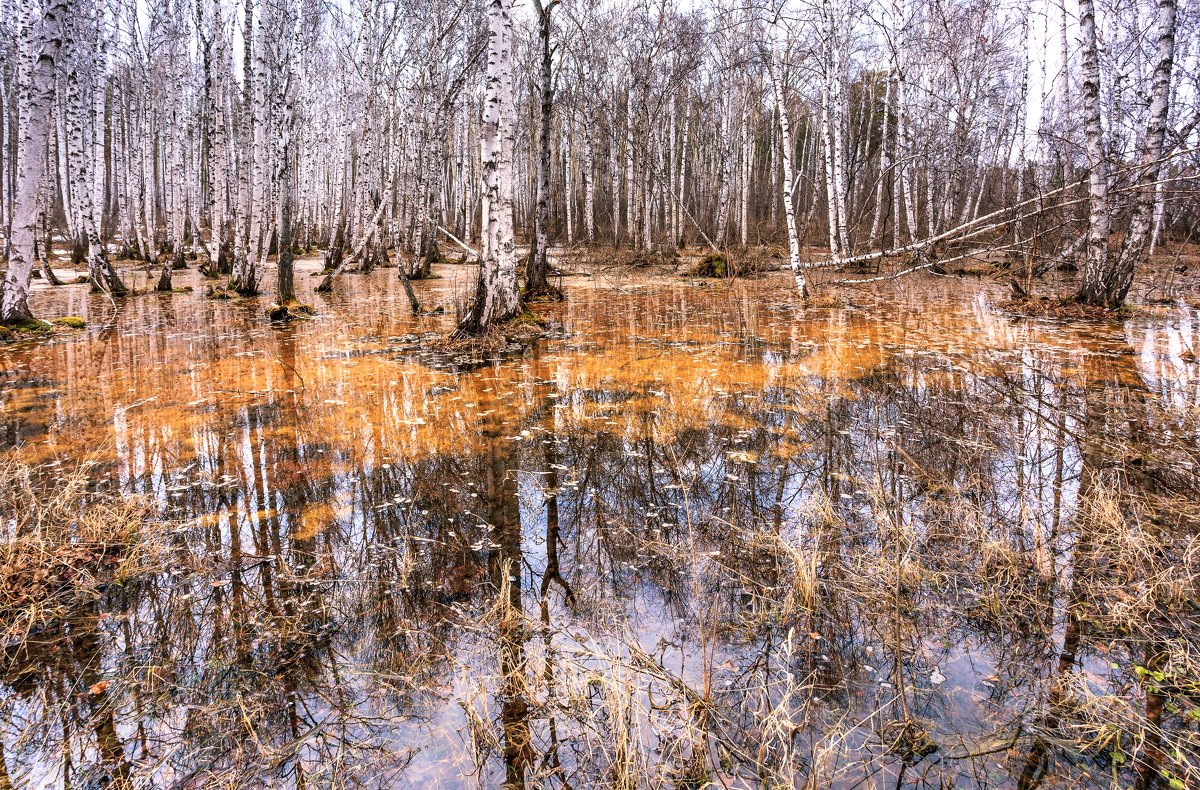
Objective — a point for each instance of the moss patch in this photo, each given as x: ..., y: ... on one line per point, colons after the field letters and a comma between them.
x: 549, y: 293
x: 526, y: 318
x: 29, y: 326
x: 713, y: 265
x: 35, y: 328
x: 719, y: 265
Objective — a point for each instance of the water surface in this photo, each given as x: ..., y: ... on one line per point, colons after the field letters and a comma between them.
x: 701, y: 534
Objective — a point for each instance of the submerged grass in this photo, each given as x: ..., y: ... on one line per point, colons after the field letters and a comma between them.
x: 65, y: 542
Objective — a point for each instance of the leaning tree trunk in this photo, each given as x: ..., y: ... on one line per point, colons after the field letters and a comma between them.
x: 496, y: 296
x: 38, y: 99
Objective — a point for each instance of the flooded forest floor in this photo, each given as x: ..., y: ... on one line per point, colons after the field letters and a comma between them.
x: 700, y: 535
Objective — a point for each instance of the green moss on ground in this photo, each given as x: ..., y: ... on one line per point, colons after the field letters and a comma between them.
x: 713, y: 265
x: 29, y: 326
x: 526, y: 318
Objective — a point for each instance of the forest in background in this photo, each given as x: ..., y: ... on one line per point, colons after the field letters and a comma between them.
x: 379, y: 132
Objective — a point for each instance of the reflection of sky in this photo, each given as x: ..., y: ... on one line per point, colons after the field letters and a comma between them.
x: 1164, y: 349
x: 321, y: 435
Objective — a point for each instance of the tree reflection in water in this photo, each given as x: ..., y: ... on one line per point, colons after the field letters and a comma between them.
x: 705, y: 538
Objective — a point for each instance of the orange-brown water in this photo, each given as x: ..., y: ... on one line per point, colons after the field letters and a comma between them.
x: 354, y: 511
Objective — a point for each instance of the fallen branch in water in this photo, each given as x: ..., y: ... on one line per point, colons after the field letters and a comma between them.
x: 459, y: 241
x: 927, y: 265
x: 327, y: 283
x: 988, y: 223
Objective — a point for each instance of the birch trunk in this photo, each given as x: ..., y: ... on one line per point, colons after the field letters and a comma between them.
x: 496, y: 295
x: 830, y: 189
x: 38, y: 99
x: 838, y: 122
x: 630, y: 202
x: 724, y: 178
x: 569, y: 183
x: 683, y: 158
x: 251, y: 277
x: 885, y: 166
x: 1095, y: 288
x: 589, y: 184
x: 78, y: 109
x: 212, y: 129
x: 243, y: 257
x: 539, y: 265
x: 615, y: 177
x: 285, y: 281
x: 1119, y: 277
x: 785, y: 133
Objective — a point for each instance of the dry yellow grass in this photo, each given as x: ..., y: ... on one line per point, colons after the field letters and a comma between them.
x: 65, y: 540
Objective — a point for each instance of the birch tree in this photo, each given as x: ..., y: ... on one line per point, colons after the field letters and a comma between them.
x: 651, y: 125
x: 43, y: 30
x: 785, y: 133
x: 1107, y: 278
x: 536, y: 282
x: 496, y: 296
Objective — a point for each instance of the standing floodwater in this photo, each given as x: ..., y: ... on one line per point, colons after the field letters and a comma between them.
x: 701, y: 536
